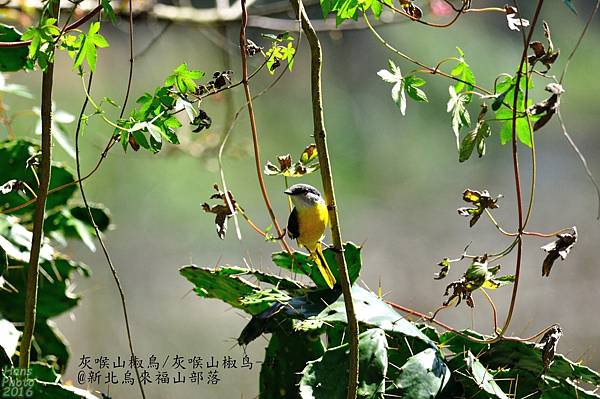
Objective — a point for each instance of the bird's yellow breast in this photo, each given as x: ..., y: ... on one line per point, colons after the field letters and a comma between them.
x: 312, y: 222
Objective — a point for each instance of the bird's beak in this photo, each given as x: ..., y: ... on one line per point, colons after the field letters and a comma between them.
x: 288, y: 192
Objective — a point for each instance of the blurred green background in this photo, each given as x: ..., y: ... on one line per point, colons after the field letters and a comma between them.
x: 398, y: 184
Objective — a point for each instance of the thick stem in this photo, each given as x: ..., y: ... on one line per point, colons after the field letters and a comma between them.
x: 40, y: 212
x: 328, y: 188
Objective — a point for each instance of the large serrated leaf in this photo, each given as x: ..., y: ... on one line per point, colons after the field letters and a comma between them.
x: 227, y: 284
x: 373, y: 311
x: 303, y: 263
x: 325, y: 378
x: 483, y: 378
x: 285, y: 358
x: 423, y: 376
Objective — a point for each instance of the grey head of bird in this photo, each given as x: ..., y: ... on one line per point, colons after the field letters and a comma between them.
x: 304, y: 195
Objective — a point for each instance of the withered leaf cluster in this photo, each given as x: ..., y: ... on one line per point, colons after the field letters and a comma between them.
x: 559, y: 248
x: 220, y: 80
x: 411, y: 9
x: 548, y: 107
x: 306, y: 165
x: 222, y: 211
x: 11, y: 186
x: 478, y: 275
x: 549, y: 342
x: 253, y: 48
x: 546, y: 56
x: 481, y: 201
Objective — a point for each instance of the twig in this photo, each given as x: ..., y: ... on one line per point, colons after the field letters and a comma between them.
x: 583, y: 32
x: 459, y: 12
x: 581, y: 158
x: 494, y: 311
x: 45, y: 168
x: 516, y: 171
x: 427, y: 69
x: 154, y: 40
x: 99, y: 236
x: 130, y: 77
x: 328, y: 187
x: 256, y: 147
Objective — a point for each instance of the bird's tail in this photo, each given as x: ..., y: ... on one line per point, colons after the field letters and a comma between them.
x: 317, y: 255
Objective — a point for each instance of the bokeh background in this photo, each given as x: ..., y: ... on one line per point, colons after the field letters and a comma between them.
x: 397, y: 178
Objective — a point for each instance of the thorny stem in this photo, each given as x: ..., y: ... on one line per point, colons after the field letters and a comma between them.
x: 33, y: 267
x: 328, y: 187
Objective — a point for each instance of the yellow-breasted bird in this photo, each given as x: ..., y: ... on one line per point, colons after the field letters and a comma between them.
x: 307, y: 224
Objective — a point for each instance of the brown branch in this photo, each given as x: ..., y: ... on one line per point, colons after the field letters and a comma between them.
x: 250, y: 107
x: 515, y: 157
x: 328, y: 188
x: 45, y: 168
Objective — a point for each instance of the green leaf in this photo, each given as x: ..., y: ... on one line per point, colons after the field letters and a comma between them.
x: 463, y: 72
x: 459, y: 113
x: 483, y: 378
x: 305, y: 265
x: 281, y: 370
x: 75, y: 223
x: 371, y: 311
x: 412, y: 84
x: 108, y: 11
x: 14, y: 155
x: 47, y: 390
x: 227, y: 284
x: 423, y: 376
x: 55, y: 291
x: 11, y: 58
x: 184, y: 79
x: 394, y: 76
x: 324, y: 378
x: 505, y: 115
x: 87, y: 49
x: 475, y: 137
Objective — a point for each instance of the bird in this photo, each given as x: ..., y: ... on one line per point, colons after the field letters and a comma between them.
x: 307, y: 223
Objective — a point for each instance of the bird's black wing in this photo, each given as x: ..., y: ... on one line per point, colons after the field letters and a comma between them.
x: 292, y: 226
